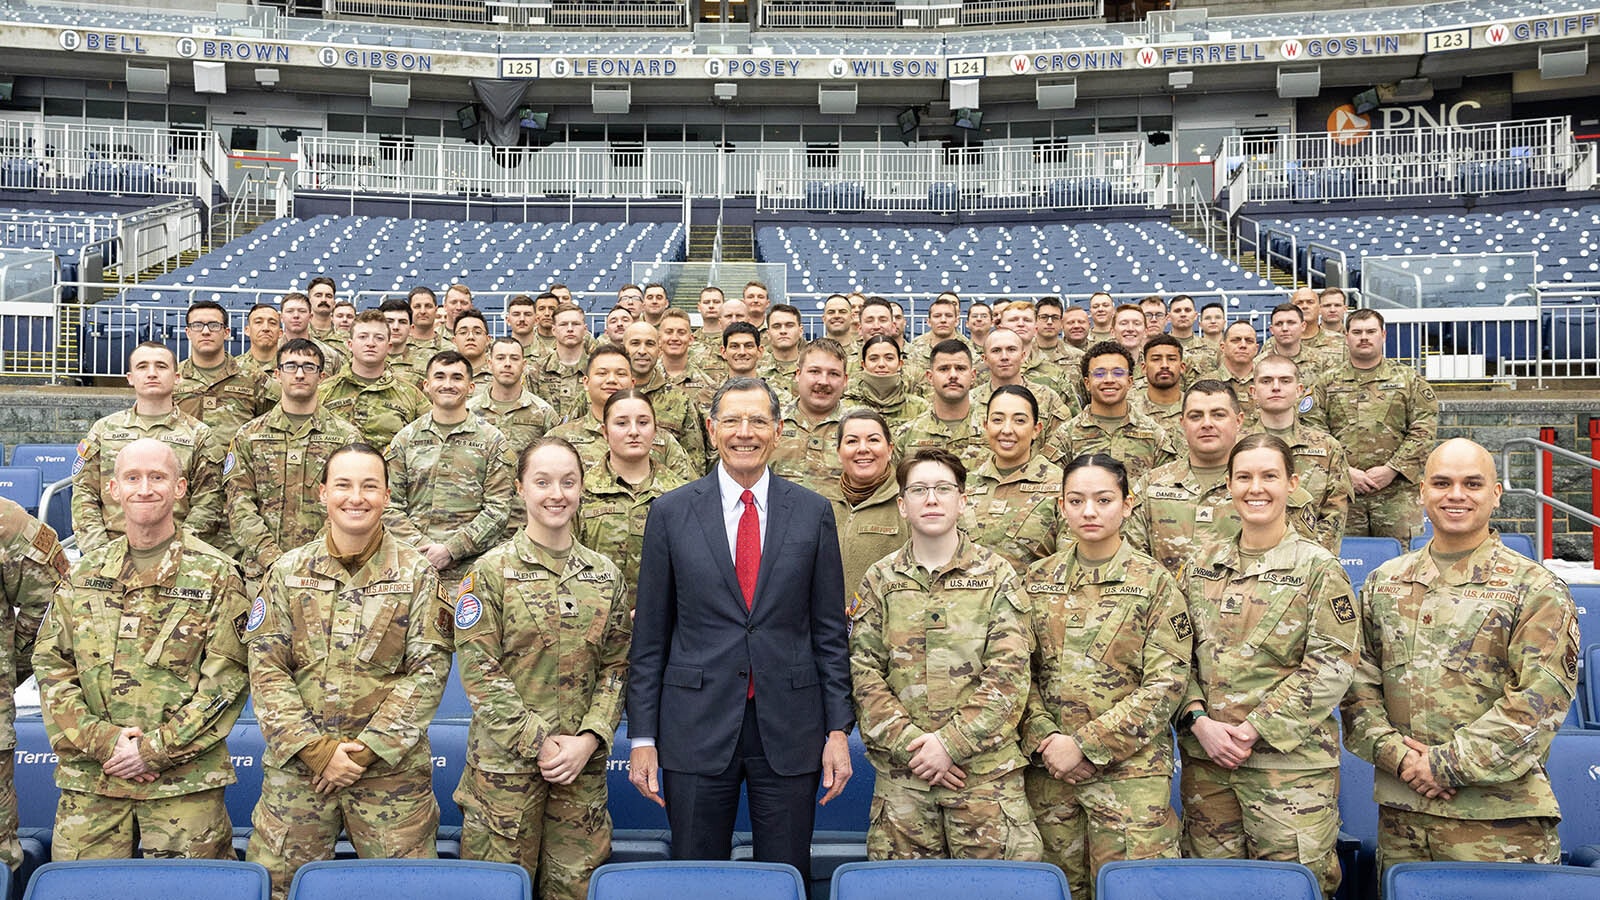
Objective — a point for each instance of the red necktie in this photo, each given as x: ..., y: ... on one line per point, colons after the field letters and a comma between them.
x: 747, y: 548
x: 747, y: 561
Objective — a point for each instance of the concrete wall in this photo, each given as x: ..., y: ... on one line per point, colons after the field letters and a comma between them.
x: 63, y: 415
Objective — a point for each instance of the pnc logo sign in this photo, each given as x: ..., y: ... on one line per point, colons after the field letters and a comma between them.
x: 1347, y: 127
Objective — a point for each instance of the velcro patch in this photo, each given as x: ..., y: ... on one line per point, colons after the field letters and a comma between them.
x: 469, y: 609
x: 258, y: 614
x: 1343, y: 609
x: 969, y: 583
x: 315, y: 584
x: 1181, y: 626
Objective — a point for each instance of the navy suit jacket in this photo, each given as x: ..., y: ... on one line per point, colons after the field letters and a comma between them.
x: 694, y: 642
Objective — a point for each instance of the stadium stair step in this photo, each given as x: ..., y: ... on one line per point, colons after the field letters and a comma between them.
x: 1251, y: 263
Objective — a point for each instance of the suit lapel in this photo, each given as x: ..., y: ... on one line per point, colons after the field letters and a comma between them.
x: 779, y: 506
x: 708, y: 512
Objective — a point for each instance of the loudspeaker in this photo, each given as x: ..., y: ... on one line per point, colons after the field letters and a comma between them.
x: 145, y: 78
x: 964, y: 93
x: 1568, y: 62
x: 210, y: 77
x: 1056, y: 94
x: 1299, y: 83
x: 836, y: 99
x: 614, y: 97
x: 391, y: 93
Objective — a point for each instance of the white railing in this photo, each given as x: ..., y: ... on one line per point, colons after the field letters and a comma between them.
x: 62, y: 156
x: 959, y: 179
x: 1011, y: 12
x: 822, y: 14
x: 472, y: 12
x: 641, y: 14
x: 1498, y: 157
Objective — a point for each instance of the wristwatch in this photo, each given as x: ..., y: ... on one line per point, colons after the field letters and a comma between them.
x: 1187, y: 720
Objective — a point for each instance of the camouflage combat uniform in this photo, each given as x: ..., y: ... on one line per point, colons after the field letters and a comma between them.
x: 1324, y: 470
x: 1168, y: 415
x: 946, y: 653
x: 1386, y: 415
x: 264, y: 372
x: 1112, y: 647
x: 378, y: 408
x: 678, y: 414
x: 452, y: 485
x: 543, y: 642
x: 31, y: 563
x: 1138, y: 442
x: 1478, y: 659
x: 614, y: 512
x: 96, y: 518
x: 964, y: 437
x: 356, y: 655
x: 868, y: 531
x: 1199, y: 355
x: 522, y: 421
x: 587, y: 434
x: 1014, y: 515
x: 557, y: 383
x: 1274, y: 645
x: 158, y: 650
x: 808, y: 454
x: 224, y: 398
x: 1054, y: 412
x: 273, y: 480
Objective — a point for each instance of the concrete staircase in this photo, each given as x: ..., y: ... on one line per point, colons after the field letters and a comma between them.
x: 1246, y: 260
x: 738, y: 263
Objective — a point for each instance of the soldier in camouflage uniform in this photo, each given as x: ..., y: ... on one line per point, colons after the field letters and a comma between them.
x: 296, y: 319
x: 617, y: 493
x: 882, y: 386
x: 939, y: 661
x: 1387, y: 418
x: 367, y: 394
x: 1288, y: 323
x: 608, y: 371
x: 807, y: 450
x: 273, y: 472
x: 944, y: 320
x: 470, y: 335
x: 1185, y: 505
x: 507, y: 404
x: 211, y: 386
x: 542, y: 626
x: 349, y: 648
x: 1469, y: 661
x: 869, y: 522
x: 428, y: 334
x: 97, y: 517
x: 1238, y: 366
x: 1112, y: 646
x: 1011, y: 495
x: 1165, y: 377
x: 949, y: 421
x: 141, y: 677
x: 31, y: 563
x: 1109, y: 425
x: 1320, y: 460
x: 558, y: 378
x: 677, y: 413
x: 406, y: 361
x: 263, y: 328
x: 784, y: 340
x: 1003, y: 353
x: 450, y: 475
x: 1199, y: 355
x: 1275, y: 636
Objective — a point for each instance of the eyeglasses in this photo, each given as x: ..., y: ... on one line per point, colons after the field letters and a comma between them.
x: 732, y: 423
x: 208, y: 327
x: 294, y: 368
x: 1102, y: 374
x: 944, y: 490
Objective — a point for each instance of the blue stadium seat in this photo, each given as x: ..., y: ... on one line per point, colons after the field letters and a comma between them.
x: 1182, y: 879
x: 449, y: 744
x: 949, y: 879
x: 1360, y: 555
x: 22, y: 484
x: 1489, y: 881
x: 1574, y: 756
x: 409, y: 879
x: 630, y: 811
x: 1358, y: 826
x: 54, y: 462
x: 149, y: 879
x: 1587, y: 599
x: 702, y: 880
x: 454, y: 705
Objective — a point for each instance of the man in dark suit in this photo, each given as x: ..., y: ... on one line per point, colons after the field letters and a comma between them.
x: 740, y: 667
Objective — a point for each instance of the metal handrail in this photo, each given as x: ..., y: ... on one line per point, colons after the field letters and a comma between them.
x: 48, y: 495
x: 1548, y: 500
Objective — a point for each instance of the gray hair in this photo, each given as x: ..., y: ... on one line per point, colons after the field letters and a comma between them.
x: 744, y: 383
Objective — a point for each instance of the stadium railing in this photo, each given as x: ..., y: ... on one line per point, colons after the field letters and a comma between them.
x: 1364, y: 162
x: 62, y: 156
x: 798, y: 177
